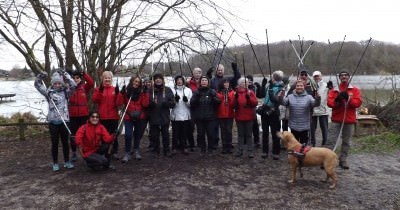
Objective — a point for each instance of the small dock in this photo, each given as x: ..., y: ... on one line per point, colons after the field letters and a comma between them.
x: 6, y: 97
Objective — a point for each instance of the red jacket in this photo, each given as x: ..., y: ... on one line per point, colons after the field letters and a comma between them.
x: 139, y: 105
x: 246, y: 109
x: 338, y: 109
x: 192, y: 84
x: 107, y: 103
x: 78, y: 102
x: 89, y: 138
x: 225, y: 108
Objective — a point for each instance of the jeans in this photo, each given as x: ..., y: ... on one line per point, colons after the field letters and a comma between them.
x: 133, y: 129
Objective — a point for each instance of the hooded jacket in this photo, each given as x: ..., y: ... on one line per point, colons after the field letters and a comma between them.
x: 160, y: 104
x: 78, y: 102
x: 181, y: 111
x: 106, y: 102
x: 57, y: 98
x: 140, y: 104
x: 338, y: 109
x: 90, y: 137
x: 204, y: 104
x: 225, y: 108
x: 245, y: 110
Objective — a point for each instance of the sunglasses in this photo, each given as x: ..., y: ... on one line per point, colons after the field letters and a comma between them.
x: 303, y: 74
x: 94, y: 116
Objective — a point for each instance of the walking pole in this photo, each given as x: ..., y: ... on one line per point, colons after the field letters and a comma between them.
x: 255, y: 55
x: 337, y: 58
x: 216, y: 51
x: 223, y: 48
x: 269, y: 58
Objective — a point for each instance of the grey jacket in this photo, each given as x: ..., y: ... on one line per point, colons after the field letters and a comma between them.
x: 300, y: 107
x: 59, y: 97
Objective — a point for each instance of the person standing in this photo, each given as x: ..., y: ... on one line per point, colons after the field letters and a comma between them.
x: 245, y: 109
x: 161, y: 101
x: 321, y: 112
x: 105, y: 97
x: 269, y: 112
x: 256, y: 126
x: 57, y: 96
x: 180, y: 115
x: 204, y: 105
x: 93, y: 140
x: 225, y: 114
x: 135, y: 121
x: 78, y: 105
x: 193, y: 84
x: 344, y: 100
x: 300, y: 105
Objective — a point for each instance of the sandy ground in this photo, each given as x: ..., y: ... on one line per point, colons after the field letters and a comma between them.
x: 212, y: 181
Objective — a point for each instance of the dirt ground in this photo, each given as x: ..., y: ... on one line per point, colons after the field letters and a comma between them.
x: 212, y: 181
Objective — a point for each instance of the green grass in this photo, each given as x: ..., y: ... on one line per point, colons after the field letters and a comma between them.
x: 386, y: 142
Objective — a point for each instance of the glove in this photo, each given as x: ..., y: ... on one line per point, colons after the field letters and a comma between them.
x: 264, y: 82
x: 123, y: 90
x: 177, y: 97
x: 271, y: 84
x: 185, y: 99
x: 248, y: 96
x: 101, y: 88
x: 42, y: 75
x: 344, y: 95
x: 329, y: 85
x: 234, y: 66
x: 209, y: 72
x: 61, y: 72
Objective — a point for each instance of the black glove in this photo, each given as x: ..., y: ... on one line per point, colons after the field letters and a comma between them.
x: 271, y: 84
x: 185, y: 99
x: 329, y: 85
x: 257, y: 85
x: 123, y: 90
x: 101, y: 88
x: 234, y: 66
x: 42, y: 75
x: 248, y: 96
x: 61, y: 72
x: 264, y: 82
x: 116, y: 89
x: 344, y: 95
x: 177, y: 97
x: 209, y: 72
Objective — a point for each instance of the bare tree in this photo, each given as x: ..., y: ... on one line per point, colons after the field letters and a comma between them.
x: 104, y: 34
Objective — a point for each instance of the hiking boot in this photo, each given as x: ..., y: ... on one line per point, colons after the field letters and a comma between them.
x: 126, y: 158
x: 56, y: 167
x: 275, y: 157
x: 68, y: 165
x: 264, y: 155
x: 115, y: 156
x: 74, y: 157
x: 344, y: 165
x: 137, y: 155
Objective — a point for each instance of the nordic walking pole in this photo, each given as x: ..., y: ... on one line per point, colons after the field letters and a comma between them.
x: 223, y: 48
x: 187, y: 62
x: 337, y: 58
x: 216, y: 51
x: 269, y: 58
x: 255, y: 55
x: 358, y: 64
x: 244, y: 72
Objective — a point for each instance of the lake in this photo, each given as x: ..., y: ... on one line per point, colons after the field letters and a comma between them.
x: 27, y: 99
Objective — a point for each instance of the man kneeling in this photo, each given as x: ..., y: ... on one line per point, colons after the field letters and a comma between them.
x: 93, y: 140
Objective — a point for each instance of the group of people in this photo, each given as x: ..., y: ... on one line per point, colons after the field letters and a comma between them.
x: 207, y: 103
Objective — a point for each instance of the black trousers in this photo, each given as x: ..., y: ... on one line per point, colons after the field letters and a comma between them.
x: 272, y: 122
x: 206, y: 127
x: 180, y: 131
x: 75, y: 123
x: 155, y: 131
x: 100, y: 159
x: 301, y: 136
x: 59, y: 132
x: 226, y: 132
x: 111, y: 126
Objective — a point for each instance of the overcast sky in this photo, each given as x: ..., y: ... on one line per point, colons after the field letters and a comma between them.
x: 317, y: 20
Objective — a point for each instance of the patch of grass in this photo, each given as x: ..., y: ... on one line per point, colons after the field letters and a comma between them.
x: 386, y: 142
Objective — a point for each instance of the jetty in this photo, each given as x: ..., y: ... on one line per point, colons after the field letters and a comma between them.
x: 6, y: 96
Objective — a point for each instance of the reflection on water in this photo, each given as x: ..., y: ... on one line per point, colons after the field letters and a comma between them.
x: 27, y: 99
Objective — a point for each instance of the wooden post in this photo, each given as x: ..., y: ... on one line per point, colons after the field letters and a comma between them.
x: 22, y: 126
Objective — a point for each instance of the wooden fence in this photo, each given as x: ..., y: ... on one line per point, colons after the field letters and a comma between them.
x: 22, y: 126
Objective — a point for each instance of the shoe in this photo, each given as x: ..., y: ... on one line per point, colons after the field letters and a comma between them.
x: 343, y: 165
x: 110, y: 167
x: 68, y: 165
x: 137, y: 155
x: 126, y: 158
x: 239, y: 154
x: 251, y: 155
x: 56, y: 167
x: 264, y: 155
x: 74, y: 157
x: 115, y: 156
x: 275, y: 157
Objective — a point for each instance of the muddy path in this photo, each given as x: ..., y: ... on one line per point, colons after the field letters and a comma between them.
x: 212, y: 181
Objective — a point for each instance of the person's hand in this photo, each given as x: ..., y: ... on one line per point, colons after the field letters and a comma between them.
x: 123, y: 90
x: 42, y: 75
x: 177, y: 97
x: 234, y: 66
x: 339, y: 98
x: 101, y: 88
x: 271, y: 84
x: 264, y: 82
x: 61, y: 72
x: 329, y: 85
x: 185, y: 99
x: 344, y: 95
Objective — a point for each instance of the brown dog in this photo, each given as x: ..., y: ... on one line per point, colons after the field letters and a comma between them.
x: 316, y: 156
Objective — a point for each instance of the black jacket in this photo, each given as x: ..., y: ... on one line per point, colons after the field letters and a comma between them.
x: 160, y: 103
x: 204, y: 104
